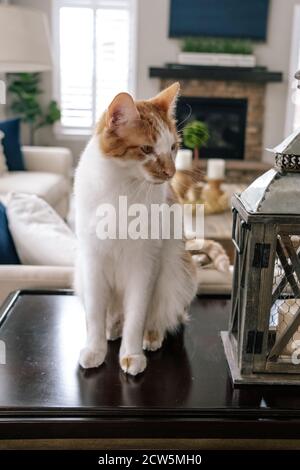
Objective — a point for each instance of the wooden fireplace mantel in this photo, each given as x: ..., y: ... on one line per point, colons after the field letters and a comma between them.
x: 197, y: 72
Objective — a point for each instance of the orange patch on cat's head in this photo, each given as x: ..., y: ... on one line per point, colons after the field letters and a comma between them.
x: 142, y: 131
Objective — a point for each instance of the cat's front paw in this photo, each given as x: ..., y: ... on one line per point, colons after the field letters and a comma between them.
x: 152, y: 340
x: 133, y: 364
x: 90, y: 358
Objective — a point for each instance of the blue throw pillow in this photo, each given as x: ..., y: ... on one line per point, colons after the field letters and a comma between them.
x: 8, y: 253
x: 11, y: 144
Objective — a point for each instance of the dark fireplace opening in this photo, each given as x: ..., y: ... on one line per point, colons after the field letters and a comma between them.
x: 226, y: 120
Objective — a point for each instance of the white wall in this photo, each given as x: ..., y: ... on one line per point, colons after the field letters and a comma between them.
x: 155, y: 48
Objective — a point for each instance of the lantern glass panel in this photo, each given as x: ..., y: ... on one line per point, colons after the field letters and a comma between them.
x: 284, y: 325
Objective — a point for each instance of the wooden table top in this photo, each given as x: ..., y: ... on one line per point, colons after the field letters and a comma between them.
x: 186, y: 391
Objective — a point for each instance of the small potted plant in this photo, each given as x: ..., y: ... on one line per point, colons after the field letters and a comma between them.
x: 195, y: 135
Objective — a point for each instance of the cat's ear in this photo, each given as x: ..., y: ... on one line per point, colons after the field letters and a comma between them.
x: 167, y: 98
x: 121, y: 111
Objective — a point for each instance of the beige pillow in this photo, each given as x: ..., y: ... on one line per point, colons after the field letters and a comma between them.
x: 3, y: 166
x: 41, y: 236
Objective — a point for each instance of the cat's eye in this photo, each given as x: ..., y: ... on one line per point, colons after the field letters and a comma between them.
x: 147, y: 149
x: 174, y: 147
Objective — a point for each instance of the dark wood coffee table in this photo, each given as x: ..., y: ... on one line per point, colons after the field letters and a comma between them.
x: 186, y: 391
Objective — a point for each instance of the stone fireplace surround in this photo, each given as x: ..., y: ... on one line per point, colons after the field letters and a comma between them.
x: 223, y: 82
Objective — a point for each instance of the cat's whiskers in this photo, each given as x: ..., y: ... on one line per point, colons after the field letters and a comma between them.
x: 180, y: 124
x: 140, y: 186
x: 134, y: 189
x: 148, y: 193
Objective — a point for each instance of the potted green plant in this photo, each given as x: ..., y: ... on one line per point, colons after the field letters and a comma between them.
x: 195, y: 135
x: 25, y: 90
x: 217, y: 52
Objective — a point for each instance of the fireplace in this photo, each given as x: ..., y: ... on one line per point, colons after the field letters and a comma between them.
x: 231, y: 101
x: 226, y: 120
x: 242, y: 93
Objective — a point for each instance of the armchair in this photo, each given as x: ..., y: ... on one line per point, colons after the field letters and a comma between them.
x: 48, y: 175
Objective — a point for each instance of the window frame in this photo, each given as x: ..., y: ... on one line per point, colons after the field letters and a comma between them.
x: 78, y: 133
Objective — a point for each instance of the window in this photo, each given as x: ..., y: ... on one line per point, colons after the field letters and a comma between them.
x: 95, y: 51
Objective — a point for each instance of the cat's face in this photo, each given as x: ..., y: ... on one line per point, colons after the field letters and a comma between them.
x: 142, y: 135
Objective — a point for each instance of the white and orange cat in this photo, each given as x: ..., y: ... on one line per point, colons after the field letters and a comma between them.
x: 137, y: 289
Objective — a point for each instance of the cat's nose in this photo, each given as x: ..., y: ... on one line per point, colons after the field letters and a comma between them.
x: 169, y: 169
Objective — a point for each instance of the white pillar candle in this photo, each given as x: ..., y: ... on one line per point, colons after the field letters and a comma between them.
x: 215, y: 169
x: 184, y: 159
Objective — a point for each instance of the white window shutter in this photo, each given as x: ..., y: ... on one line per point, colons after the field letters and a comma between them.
x: 113, y: 39
x: 76, y: 67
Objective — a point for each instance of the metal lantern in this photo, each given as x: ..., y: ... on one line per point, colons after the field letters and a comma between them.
x: 262, y: 344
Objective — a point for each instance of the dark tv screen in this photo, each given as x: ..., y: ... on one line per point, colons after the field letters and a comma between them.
x: 219, y: 18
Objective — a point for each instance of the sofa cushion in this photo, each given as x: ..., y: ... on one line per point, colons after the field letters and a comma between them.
x: 11, y: 144
x: 8, y: 253
x: 49, y: 186
x: 40, y: 234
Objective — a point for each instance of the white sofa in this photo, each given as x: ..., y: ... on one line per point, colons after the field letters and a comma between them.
x: 48, y: 175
